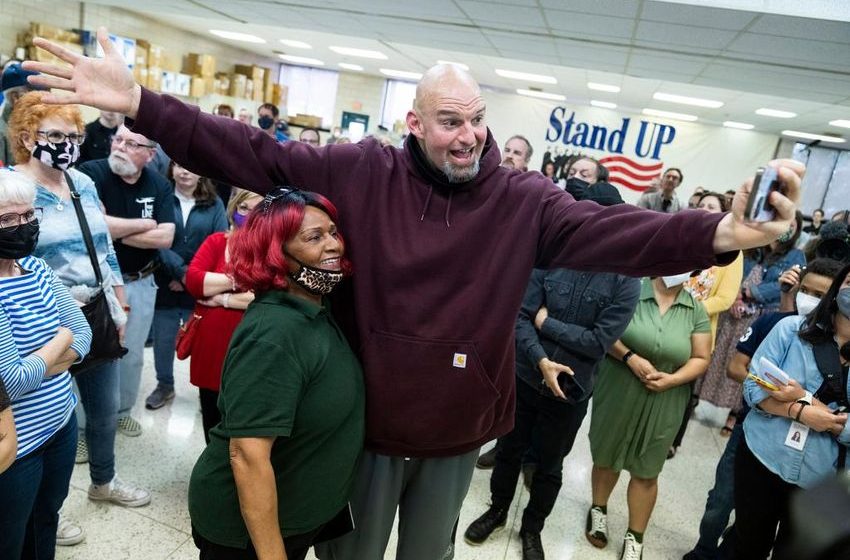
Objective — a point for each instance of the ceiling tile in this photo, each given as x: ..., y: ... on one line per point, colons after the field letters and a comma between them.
x: 801, y: 28
x: 618, y: 8
x: 502, y: 13
x: 732, y: 20
x: 574, y: 24
x: 697, y: 38
x: 823, y: 54
x: 682, y: 64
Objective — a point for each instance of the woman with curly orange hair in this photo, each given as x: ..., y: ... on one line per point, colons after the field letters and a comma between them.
x: 46, y: 141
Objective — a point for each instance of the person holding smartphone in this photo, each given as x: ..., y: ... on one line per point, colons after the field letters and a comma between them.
x: 568, y: 321
x: 796, y: 435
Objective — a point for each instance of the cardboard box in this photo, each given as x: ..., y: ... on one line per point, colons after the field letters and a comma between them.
x: 155, y: 78
x: 53, y: 33
x: 253, y: 71
x: 140, y: 74
x: 280, y: 95
x: 300, y: 119
x: 155, y: 53
x: 198, y: 64
x: 238, y: 85
x: 198, y: 87
x: 210, y: 86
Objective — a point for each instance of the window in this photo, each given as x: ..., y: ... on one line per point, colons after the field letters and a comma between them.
x: 311, y: 91
x: 398, y: 99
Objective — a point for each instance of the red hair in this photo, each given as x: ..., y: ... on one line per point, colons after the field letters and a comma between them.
x: 257, y: 259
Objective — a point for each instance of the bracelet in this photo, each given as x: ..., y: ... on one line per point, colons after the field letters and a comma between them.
x: 126, y: 308
x: 800, y: 413
x: 789, y: 409
x: 626, y: 356
x: 225, y: 300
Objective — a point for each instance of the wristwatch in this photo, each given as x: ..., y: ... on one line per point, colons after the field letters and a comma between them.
x: 627, y: 355
x: 806, y: 398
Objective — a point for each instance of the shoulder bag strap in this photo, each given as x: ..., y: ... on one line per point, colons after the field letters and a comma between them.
x: 84, y: 226
x: 834, y: 383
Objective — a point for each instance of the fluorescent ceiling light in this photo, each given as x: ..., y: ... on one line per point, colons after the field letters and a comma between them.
x: 684, y: 100
x: 236, y: 36
x: 295, y: 44
x: 526, y: 76
x: 670, y: 115
x: 603, y: 104
x: 361, y: 53
x: 809, y: 136
x: 603, y: 87
x: 348, y: 66
x: 301, y: 60
x: 774, y: 113
x: 843, y: 123
x: 738, y: 125
x: 541, y: 94
x: 402, y: 74
x: 458, y: 64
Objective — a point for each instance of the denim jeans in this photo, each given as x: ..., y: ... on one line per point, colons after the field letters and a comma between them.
x: 31, y: 492
x: 556, y: 424
x: 720, y: 502
x: 98, y: 390
x: 141, y: 296
x: 166, y: 323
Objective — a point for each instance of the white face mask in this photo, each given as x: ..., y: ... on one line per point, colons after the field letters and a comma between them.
x: 806, y: 303
x: 673, y: 281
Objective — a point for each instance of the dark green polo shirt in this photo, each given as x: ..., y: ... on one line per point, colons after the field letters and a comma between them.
x: 289, y: 374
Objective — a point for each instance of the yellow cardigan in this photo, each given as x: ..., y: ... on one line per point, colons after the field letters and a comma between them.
x: 727, y: 284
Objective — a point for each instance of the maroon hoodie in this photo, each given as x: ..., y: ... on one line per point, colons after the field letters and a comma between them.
x: 440, y: 271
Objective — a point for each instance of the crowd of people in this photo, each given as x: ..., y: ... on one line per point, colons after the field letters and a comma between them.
x: 317, y: 293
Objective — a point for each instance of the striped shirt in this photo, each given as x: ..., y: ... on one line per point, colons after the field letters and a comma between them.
x: 32, y: 308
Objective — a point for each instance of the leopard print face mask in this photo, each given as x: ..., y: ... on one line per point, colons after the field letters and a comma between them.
x: 315, y: 280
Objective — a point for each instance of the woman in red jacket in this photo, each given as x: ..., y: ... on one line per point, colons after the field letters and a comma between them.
x: 220, y: 305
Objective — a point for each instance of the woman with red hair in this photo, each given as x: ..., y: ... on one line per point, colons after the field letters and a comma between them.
x: 280, y: 465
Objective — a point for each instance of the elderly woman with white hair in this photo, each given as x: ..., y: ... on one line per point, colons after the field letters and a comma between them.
x: 42, y: 333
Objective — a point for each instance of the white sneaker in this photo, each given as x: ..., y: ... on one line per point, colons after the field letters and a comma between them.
x: 68, y: 533
x: 632, y: 550
x: 120, y: 493
x: 596, y: 528
x: 82, y: 451
x: 129, y: 426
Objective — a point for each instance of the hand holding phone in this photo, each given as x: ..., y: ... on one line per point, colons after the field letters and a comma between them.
x: 765, y: 182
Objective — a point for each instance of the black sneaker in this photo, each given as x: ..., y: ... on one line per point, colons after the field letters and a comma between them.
x: 532, y: 546
x: 492, y: 521
x: 487, y: 460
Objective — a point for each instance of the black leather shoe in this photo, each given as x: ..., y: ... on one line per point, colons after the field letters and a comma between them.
x: 532, y: 546
x: 493, y: 520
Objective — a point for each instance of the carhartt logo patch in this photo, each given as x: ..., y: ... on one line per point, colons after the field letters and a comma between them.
x: 459, y: 360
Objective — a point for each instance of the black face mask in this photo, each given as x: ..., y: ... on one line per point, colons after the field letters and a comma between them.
x: 17, y: 243
x: 577, y: 187
x: 265, y: 122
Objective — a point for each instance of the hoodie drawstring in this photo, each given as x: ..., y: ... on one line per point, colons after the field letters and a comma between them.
x: 427, y: 202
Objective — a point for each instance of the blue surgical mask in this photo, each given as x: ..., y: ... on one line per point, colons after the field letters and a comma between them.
x: 843, y: 301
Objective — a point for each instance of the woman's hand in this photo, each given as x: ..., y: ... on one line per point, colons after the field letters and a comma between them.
x: 791, y: 277
x: 641, y: 367
x: 823, y: 420
x: 789, y: 392
x: 213, y: 301
x: 175, y: 286
x: 551, y: 370
x: 541, y: 316
x: 737, y: 309
x: 659, y: 382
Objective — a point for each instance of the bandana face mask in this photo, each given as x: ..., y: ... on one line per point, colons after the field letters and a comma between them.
x: 61, y: 155
x: 315, y: 280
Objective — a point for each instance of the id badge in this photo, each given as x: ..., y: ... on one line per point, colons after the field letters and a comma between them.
x: 797, y: 435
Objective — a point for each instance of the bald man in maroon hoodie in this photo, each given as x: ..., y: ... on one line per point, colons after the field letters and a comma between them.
x: 443, y: 240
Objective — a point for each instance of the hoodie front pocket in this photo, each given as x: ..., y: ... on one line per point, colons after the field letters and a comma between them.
x: 426, y: 393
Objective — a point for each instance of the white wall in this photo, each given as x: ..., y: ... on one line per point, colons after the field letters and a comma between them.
x: 713, y: 157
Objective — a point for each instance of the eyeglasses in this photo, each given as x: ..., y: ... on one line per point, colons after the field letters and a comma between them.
x: 130, y: 144
x: 12, y: 220
x: 57, y: 136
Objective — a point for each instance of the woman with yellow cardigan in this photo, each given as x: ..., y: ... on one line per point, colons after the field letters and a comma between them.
x: 717, y: 288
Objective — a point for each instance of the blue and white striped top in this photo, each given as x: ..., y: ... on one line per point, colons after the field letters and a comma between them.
x: 32, y: 308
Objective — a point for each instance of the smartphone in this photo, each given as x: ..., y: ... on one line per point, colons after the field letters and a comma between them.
x: 570, y: 386
x: 765, y: 182
x: 762, y: 382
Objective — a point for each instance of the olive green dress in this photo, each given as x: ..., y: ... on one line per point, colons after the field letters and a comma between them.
x: 631, y: 428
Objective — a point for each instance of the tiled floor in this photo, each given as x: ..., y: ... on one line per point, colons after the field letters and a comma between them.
x: 162, y: 457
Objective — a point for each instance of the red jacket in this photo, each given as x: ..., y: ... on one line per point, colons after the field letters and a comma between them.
x: 439, y: 274
x: 215, y: 329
